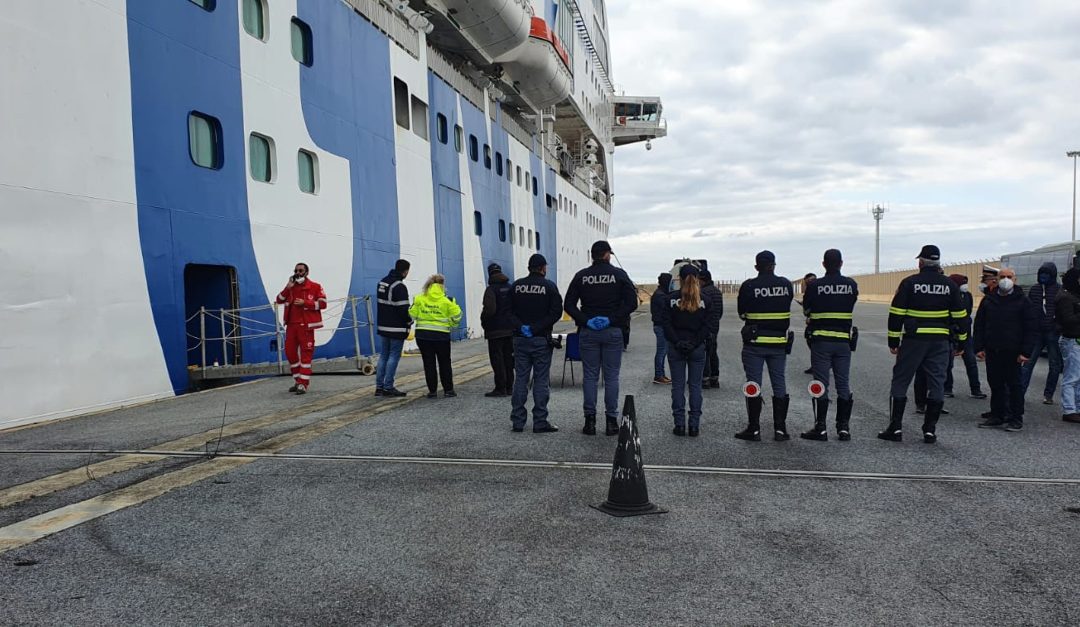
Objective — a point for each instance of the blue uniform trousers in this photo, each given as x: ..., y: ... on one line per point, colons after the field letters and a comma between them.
x: 754, y: 360
x: 826, y: 355
x: 686, y: 369
x: 601, y: 349
x: 532, y: 355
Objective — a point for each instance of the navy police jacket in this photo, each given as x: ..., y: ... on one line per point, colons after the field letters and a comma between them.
x: 686, y: 326
x: 927, y: 306
x: 765, y: 305
x: 393, y: 307
x: 536, y: 302
x: 603, y: 290
x: 829, y: 303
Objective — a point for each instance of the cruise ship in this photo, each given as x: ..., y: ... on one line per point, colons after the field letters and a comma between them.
x: 166, y: 162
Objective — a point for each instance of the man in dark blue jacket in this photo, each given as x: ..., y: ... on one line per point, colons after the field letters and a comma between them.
x: 657, y: 304
x: 393, y: 324
x: 1042, y: 296
x: 1005, y: 331
x: 499, y: 330
x: 536, y: 306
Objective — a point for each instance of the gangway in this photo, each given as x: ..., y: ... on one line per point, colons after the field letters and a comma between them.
x: 227, y: 328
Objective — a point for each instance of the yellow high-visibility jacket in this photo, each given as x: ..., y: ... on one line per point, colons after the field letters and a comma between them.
x: 435, y: 314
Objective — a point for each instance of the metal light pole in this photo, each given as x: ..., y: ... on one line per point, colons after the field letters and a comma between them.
x: 1074, y: 154
x: 878, y: 212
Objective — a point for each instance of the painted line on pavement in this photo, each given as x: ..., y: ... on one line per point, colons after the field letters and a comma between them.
x: 525, y: 463
x: 38, y: 527
x: 78, y: 476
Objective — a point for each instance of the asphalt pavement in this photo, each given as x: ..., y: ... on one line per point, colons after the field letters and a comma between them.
x: 502, y: 540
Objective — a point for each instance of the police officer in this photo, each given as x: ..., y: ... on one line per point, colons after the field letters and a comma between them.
x: 607, y: 298
x: 536, y: 306
x: 828, y: 303
x: 765, y: 305
x: 928, y: 313
x: 715, y: 297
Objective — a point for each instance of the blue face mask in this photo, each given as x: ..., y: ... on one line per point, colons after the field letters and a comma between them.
x: 1045, y: 279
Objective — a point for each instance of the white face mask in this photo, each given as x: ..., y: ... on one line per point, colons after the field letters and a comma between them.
x: 301, y: 279
x: 964, y: 288
x: 1005, y: 285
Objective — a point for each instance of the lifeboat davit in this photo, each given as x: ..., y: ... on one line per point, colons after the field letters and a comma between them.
x: 480, y: 30
x: 540, y: 69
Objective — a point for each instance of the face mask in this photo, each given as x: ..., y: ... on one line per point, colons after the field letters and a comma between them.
x: 982, y: 287
x: 301, y: 279
x: 1005, y: 285
x: 1045, y: 279
x: 965, y: 289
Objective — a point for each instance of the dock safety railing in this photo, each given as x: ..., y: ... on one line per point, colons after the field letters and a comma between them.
x: 227, y: 328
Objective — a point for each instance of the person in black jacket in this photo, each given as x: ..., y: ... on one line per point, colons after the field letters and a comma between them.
x: 971, y: 365
x: 925, y: 316
x: 607, y: 297
x: 765, y: 305
x: 829, y: 305
x: 1005, y: 331
x: 1042, y: 296
x: 1067, y: 317
x: 715, y: 297
x: 536, y: 306
x: 393, y: 322
x: 657, y: 304
x: 687, y: 320
x: 499, y: 329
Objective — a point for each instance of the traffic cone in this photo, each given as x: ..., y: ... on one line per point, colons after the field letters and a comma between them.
x: 627, y: 493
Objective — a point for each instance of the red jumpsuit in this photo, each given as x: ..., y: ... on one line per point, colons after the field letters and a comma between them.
x: 300, y: 324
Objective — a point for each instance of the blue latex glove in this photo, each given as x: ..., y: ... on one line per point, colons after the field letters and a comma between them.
x: 599, y: 323
x: 526, y: 330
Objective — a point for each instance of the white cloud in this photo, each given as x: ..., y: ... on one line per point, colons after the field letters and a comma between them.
x: 786, y: 119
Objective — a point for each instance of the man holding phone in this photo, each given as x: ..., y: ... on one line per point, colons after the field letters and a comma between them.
x: 304, y: 301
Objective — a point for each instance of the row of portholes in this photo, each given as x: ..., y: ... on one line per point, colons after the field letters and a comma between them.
x: 523, y: 235
x: 255, y: 16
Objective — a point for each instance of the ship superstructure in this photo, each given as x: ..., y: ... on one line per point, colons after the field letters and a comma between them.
x: 169, y: 157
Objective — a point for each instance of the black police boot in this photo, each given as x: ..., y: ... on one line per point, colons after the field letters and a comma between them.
x: 843, y: 418
x: 779, y: 418
x: 752, y: 432
x: 894, y: 432
x: 590, y: 425
x: 929, y: 428
x: 612, y: 426
x: 820, y: 432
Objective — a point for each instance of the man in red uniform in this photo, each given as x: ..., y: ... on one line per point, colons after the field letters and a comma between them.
x: 304, y: 301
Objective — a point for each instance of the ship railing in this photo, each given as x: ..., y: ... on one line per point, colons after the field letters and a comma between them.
x: 390, y: 22
x: 228, y: 327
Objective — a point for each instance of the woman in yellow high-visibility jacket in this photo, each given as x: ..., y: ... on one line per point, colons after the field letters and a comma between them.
x: 435, y: 315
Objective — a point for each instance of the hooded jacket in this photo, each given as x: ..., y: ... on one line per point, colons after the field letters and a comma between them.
x: 435, y: 314
x: 496, y: 318
x: 1006, y: 322
x: 1067, y: 306
x: 659, y: 301
x: 1042, y: 295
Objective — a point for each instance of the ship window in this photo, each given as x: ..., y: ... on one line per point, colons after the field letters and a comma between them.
x: 459, y: 138
x: 510, y: 170
x: 536, y: 188
x: 301, y: 42
x: 538, y: 240
x: 204, y: 141
x: 207, y: 5
x: 478, y: 223
x: 401, y: 103
x: 307, y: 165
x: 502, y: 230
x: 519, y: 176
x: 498, y: 163
x: 441, y: 128
x: 474, y: 148
x: 255, y: 18
x: 521, y: 236
x: 549, y: 200
x: 511, y: 233
x: 419, y: 118
x: 487, y: 156
x: 530, y: 239
x: 261, y: 157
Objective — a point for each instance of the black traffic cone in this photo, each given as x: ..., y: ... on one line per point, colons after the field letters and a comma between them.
x: 627, y: 493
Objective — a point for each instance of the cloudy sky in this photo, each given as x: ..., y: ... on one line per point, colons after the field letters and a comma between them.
x: 787, y: 119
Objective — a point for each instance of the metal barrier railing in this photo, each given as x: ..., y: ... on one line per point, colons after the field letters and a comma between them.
x: 243, y: 324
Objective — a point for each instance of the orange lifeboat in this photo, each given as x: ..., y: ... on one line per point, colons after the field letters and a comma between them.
x: 541, y: 68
